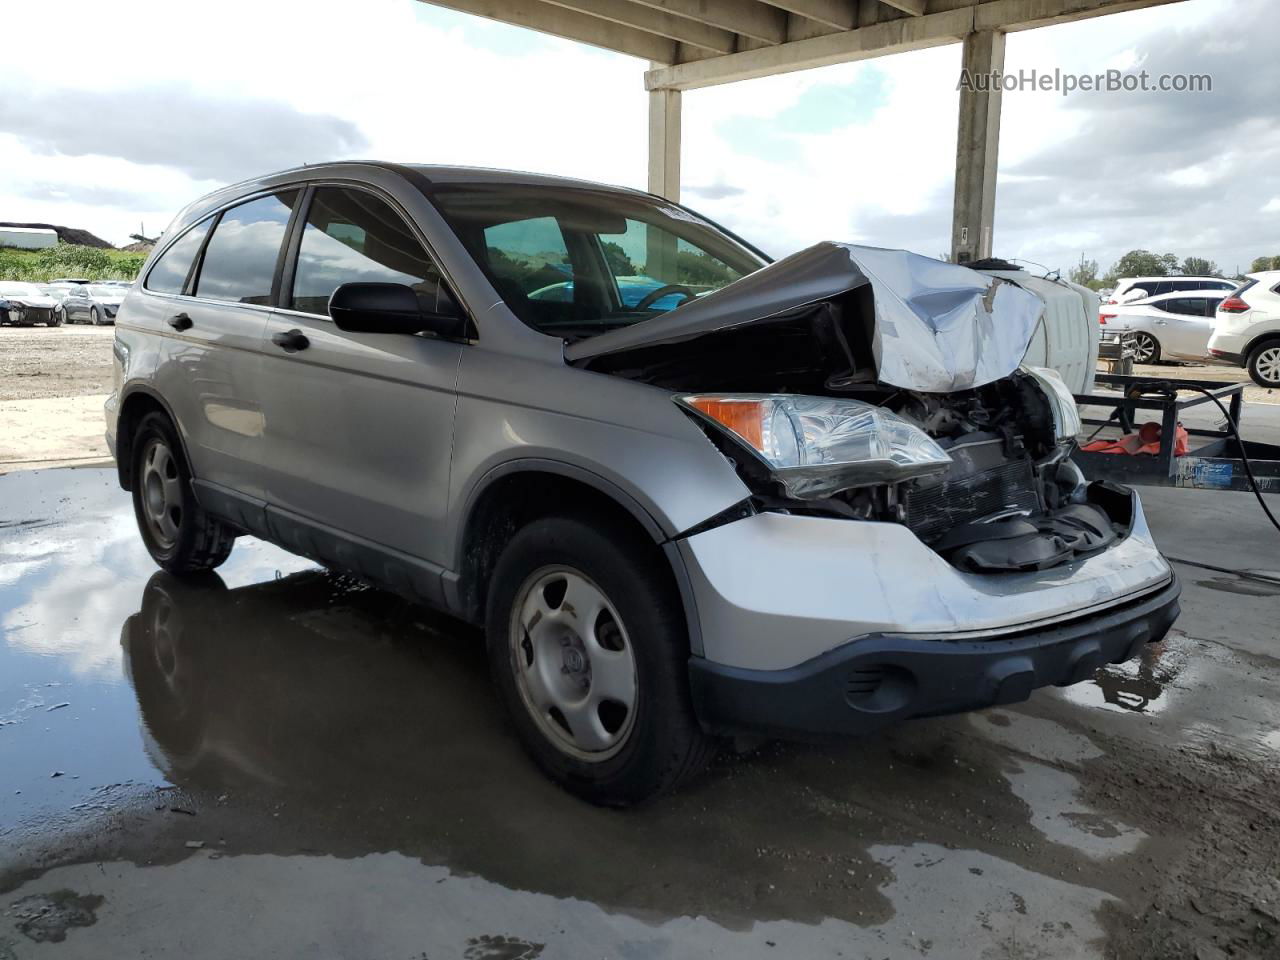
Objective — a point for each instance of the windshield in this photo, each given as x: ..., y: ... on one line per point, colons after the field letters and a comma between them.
x: 101, y: 290
x: 19, y: 290
x: 574, y: 262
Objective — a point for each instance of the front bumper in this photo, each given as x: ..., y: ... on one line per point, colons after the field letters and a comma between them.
x: 881, y: 679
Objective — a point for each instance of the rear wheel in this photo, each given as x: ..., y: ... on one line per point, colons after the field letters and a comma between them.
x: 588, y: 647
x: 180, y: 536
x: 1146, y: 349
x: 1264, y: 364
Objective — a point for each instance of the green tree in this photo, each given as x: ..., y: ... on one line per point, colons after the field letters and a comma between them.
x: 1085, y: 273
x: 1142, y: 263
x: 1199, y: 267
x: 619, y: 263
x: 1264, y: 263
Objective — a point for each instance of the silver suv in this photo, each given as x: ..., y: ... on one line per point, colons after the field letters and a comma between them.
x: 686, y: 491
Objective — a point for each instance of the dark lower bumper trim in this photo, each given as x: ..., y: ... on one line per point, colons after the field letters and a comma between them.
x: 1236, y: 358
x: 881, y: 679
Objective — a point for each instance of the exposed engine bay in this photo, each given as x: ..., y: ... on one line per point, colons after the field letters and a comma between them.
x: 1010, y: 499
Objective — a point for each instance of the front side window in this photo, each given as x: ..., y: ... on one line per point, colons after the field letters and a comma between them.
x: 169, y: 274
x: 576, y: 261
x: 240, y: 261
x: 353, y: 236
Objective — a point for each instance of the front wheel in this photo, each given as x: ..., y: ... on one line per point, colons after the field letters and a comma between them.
x: 180, y: 536
x: 589, y: 649
x: 1264, y: 364
x: 1146, y: 349
x: 94, y: 316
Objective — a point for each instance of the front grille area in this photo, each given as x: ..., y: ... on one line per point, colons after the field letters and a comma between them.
x: 35, y: 314
x: 932, y: 510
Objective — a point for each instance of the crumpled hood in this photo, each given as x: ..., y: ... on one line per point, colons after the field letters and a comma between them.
x: 938, y: 327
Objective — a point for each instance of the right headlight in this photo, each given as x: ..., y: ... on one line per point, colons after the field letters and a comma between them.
x: 815, y: 446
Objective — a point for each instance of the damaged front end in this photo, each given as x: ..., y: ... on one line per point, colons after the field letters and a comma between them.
x: 876, y: 385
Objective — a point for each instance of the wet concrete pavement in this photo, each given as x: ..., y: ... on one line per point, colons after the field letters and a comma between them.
x: 279, y: 762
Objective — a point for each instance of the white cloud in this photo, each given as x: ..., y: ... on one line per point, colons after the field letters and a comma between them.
x: 422, y: 84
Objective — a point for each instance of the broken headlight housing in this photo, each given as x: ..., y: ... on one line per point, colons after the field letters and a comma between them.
x: 1066, y: 417
x: 815, y: 446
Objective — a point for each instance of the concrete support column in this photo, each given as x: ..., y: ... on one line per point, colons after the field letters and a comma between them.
x: 977, y: 148
x: 664, y: 143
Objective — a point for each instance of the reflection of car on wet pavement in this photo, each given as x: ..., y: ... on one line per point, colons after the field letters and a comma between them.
x: 794, y: 505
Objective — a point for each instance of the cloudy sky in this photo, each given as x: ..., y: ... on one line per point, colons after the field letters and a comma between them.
x: 129, y: 111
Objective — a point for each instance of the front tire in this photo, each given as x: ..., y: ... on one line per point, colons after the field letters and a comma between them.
x: 180, y: 536
x: 1264, y: 364
x: 1146, y: 348
x: 589, y: 650
x: 94, y: 316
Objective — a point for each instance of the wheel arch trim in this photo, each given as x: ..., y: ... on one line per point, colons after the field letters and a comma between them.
x: 453, y: 587
x: 124, y: 464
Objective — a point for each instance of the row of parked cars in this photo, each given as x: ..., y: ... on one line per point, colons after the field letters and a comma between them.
x: 1201, y: 318
x: 65, y: 300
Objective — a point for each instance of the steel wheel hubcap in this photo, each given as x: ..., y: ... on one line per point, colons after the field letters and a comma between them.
x: 1144, y: 347
x: 1269, y: 365
x: 161, y: 493
x: 573, y: 663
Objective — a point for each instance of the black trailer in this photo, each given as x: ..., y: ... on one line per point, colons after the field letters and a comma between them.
x: 1215, y: 458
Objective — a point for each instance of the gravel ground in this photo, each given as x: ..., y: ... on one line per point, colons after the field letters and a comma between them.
x: 66, y: 361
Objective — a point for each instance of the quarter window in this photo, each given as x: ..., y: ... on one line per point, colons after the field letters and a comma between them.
x: 169, y: 274
x: 240, y: 261
x: 352, y: 236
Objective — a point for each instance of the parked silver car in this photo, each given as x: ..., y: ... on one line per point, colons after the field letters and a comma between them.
x: 94, y: 303
x: 803, y: 498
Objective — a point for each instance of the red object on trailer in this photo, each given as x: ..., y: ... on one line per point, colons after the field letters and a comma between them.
x: 1145, y: 441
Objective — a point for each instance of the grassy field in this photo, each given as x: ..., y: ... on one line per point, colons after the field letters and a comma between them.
x: 68, y: 260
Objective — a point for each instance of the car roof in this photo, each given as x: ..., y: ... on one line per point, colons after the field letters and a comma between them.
x: 1175, y: 277
x: 1262, y: 276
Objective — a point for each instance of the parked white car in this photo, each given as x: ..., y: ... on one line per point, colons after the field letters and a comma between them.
x: 1171, y: 325
x: 1246, y: 330
x: 1129, y: 289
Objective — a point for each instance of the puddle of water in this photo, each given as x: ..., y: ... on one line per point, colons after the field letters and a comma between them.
x: 979, y: 906
x: 1143, y: 685
x: 71, y: 571
x: 1058, y: 813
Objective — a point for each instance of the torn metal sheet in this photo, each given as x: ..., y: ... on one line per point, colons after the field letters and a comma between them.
x: 938, y: 327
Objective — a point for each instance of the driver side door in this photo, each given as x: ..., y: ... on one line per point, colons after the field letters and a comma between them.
x: 359, y: 426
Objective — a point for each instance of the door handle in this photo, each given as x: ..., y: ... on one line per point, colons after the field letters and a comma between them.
x: 290, y: 341
x: 179, y: 321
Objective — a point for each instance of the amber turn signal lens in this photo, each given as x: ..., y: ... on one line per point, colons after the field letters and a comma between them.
x: 744, y: 416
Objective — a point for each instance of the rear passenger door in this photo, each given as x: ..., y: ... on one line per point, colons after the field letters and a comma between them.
x: 211, y: 369
x: 359, y: 426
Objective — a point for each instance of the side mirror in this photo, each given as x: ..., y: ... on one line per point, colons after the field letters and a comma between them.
x: 397, y: 308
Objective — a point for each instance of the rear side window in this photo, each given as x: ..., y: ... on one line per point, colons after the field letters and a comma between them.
x: 240, y: 261
x: 169, y: 274
x: 352, y: 236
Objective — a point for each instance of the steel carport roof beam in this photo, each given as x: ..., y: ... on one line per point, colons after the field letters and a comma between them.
x: 569, y: 24
x: 652, y: 20
x: 753, y: 19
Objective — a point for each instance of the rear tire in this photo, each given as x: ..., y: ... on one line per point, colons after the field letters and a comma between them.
x: 565, y: 685
x: 1146, y: 348
x: 180, y: 536
x: 1264, y: 364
